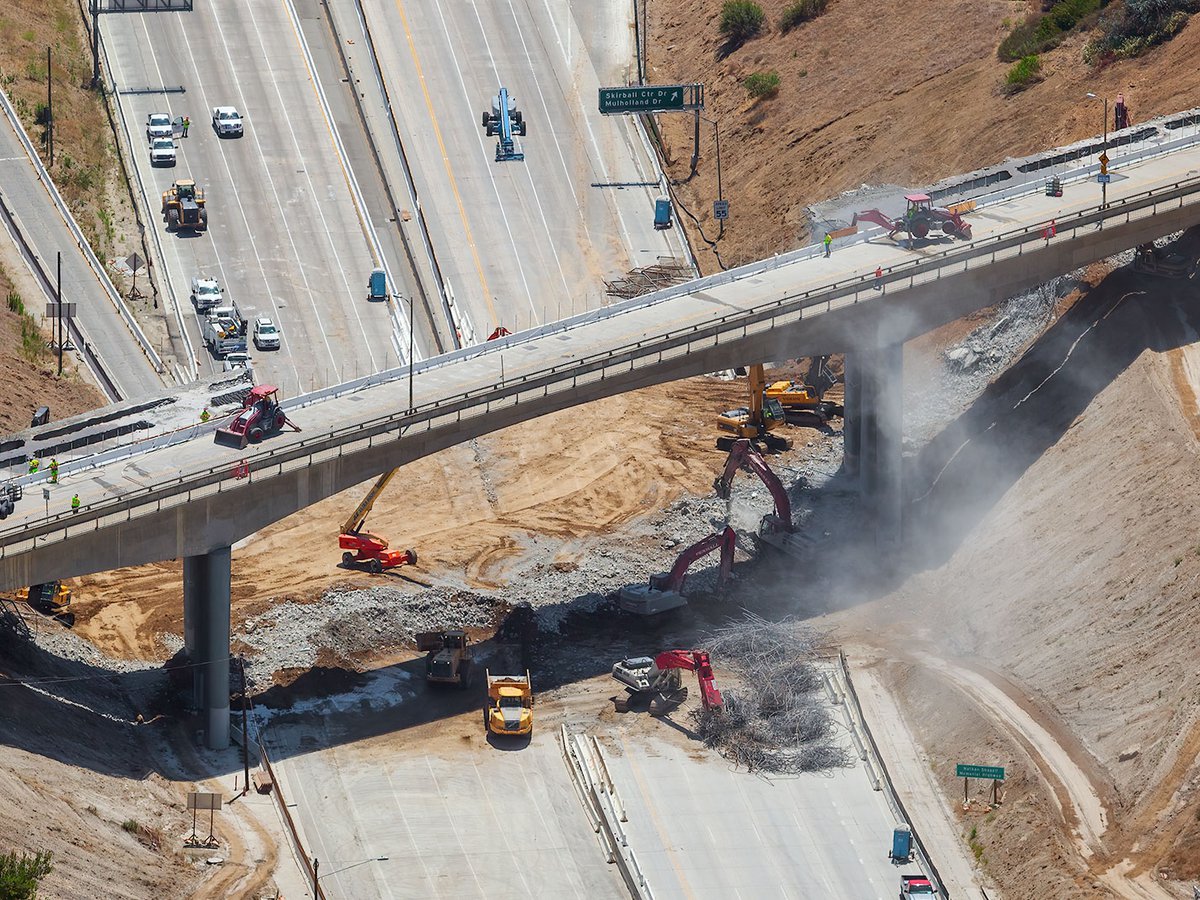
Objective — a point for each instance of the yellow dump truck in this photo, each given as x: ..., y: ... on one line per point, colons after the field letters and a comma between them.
x: 510, y: 704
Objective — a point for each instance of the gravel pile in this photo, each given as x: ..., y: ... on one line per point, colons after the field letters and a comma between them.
x: 348, y: 622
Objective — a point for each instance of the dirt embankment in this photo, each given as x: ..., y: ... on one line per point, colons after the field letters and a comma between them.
x: 1052, y: 542
x: 903, y: 93
x: 28, y: 369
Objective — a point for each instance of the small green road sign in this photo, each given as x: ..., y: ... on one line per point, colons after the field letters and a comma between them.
x: 647, y: 98
x: 992, y: 773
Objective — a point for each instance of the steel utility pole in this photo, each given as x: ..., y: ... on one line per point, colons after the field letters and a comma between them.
x: 59, y: 309
x: 49, y: 108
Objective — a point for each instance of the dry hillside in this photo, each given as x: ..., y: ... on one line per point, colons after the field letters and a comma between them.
x: 899, y: 93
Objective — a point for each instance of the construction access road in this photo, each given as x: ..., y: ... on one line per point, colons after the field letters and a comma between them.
x: 286, y: 238
x: 521, y: 242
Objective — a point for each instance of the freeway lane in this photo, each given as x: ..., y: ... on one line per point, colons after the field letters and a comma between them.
x: 43, y: 227
x: 527, y: 242
x: 284, y: 238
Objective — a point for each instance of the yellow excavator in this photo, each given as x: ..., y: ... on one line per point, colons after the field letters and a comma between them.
x: 364, y: 550
x: 756, y: 421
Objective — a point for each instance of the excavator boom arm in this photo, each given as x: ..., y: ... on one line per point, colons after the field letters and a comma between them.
x: 358, y: 518
x: 694, y: 661
x: 726, y: 540
x: 745, y: 456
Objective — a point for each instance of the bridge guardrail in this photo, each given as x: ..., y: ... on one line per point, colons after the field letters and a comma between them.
x: 596, y: 366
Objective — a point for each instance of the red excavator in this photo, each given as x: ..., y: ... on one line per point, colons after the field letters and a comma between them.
x: 919, y: 219
x: 643, y: 675
x: 365, y: 550
x: 500, y: 332
x: 665, y: 591
x: 746, y: 457
x: 261, y: 415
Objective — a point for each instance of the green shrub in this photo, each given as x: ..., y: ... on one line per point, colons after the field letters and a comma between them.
x: 15, y: 303
x: 761, y: 85
x: 19, y: 875
x: 741, y: 20
x: 799, y: 12
x: 1025, y: 72
x: 1037, y: 34
x: 1137, y: 26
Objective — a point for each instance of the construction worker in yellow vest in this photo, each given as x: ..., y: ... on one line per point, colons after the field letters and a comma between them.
x: 33, y: 465
x: 205, y: 416
x: 74, y: 503
x: 54, y: 471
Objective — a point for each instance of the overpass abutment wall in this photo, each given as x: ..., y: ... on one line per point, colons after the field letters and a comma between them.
x: 206, y: 614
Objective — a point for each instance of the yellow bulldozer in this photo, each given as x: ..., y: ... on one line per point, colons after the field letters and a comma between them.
x: 183, y: 206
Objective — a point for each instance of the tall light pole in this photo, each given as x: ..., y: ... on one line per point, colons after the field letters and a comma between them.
x: 720, y: 194
x: 1103, y: 156
x: 412, y: 327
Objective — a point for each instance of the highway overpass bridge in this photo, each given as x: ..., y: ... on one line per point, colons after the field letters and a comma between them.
x: 178, y: 495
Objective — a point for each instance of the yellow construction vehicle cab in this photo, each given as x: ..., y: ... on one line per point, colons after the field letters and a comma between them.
x: 510, y: 704
x: 183, y: 206
x: 799, y: 399
x: 50, y: 599
x: 756, y: 421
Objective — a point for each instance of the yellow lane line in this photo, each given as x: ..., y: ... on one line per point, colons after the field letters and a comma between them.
x: 437, y: 132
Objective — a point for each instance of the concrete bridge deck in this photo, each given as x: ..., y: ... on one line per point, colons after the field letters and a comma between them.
x: 176, y: 496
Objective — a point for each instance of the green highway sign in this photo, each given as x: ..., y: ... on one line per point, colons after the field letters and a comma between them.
x: 992, y: 773
x: 650, y: 98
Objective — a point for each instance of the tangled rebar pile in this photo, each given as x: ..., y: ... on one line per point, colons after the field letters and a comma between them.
x: 778, y: 720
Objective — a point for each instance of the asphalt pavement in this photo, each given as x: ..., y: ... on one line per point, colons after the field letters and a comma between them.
x: 285, y: 237
x: 531, y: 241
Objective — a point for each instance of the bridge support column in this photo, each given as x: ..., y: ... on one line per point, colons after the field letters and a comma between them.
x: 882, y: 431
x: 206, y: 612
x: 852, y: 414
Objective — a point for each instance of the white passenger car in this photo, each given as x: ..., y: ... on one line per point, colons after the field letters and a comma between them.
x: 206, y: 293
x: 227, y: 120
x: 266, y: 335
x: 158, y: 125
x: 162, y: 152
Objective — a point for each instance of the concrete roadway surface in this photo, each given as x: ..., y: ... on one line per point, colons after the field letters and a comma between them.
x: 521, y: 242
x: 455, y: 817
x: 699, y: 828
x: 284, y: 239
x: 43, y: 227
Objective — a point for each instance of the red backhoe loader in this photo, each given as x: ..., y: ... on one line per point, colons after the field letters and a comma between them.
x: 919, y: 219
x: 261, y: 415
x: 665, y: 591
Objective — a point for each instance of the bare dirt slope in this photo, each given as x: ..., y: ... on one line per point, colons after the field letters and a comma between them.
x: 901, y: 93
x: 1053, y: 548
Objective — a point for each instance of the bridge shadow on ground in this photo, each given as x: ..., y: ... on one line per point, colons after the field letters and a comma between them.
x: 121, y: 724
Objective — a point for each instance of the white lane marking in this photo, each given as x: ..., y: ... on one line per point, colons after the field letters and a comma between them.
x: 233, y: 186
x: 488, y: 162
x: 597, y: 154
x: 317, y: 203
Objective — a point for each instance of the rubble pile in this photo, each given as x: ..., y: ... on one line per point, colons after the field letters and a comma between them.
x: 776, y: 721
